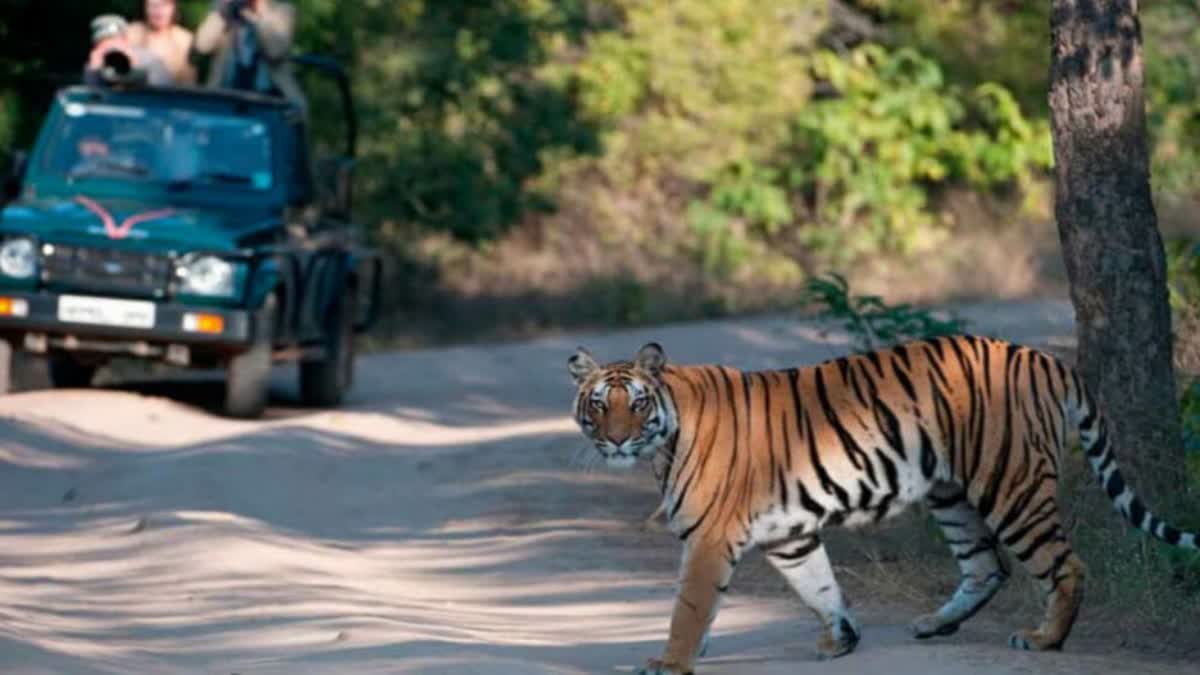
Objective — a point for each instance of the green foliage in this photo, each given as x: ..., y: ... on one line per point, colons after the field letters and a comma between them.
x: 844, y: 175
x: 1183, y: 274
x: 689, y: 86
x: 477, y: 115
x: 458, y: 113
x: 751, y: 192
x: 720, y: 248
x: 1183, y: 285
x: 872, y: 322
x: 1172, y: 42
x: 871, y: 155
x: 1189, y: 410
x: 1003, y: 42
x: 745, y: 201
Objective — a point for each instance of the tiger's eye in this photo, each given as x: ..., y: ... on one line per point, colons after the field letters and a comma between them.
x: 641, y: 404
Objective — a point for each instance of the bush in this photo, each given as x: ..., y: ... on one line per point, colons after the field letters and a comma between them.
x: 873, y: 323
x: 868, y: 159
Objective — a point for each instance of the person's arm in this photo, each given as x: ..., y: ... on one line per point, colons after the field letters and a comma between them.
x: 208, y: 35
x: 275, y: 27
x: 183, y: 42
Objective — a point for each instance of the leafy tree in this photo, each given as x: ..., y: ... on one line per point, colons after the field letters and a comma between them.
x: 457, y: 115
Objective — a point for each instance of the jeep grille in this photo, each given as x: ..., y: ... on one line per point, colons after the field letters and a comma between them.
x: 105, y: 270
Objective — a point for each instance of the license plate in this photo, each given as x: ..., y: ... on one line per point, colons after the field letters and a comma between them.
x: 106, y: 311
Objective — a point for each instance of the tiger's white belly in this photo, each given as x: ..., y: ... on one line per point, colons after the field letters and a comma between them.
x: 778, y: 522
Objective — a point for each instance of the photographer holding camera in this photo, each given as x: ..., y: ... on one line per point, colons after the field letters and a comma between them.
x: 250, y: 41
x: 117, y: 58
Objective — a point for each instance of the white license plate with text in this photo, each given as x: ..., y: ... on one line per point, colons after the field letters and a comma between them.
x: 106, y: 311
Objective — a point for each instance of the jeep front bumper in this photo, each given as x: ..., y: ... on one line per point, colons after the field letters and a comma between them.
x: 43, y: 316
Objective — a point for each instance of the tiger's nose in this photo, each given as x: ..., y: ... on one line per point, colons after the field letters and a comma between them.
x: 618, y: 438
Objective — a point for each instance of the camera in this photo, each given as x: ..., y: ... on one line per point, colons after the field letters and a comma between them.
x: 232, y: 10
x: 117, y: 64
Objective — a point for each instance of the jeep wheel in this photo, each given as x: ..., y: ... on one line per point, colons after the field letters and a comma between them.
x: 324, y: 382
x: 248, y: 374
x: 6, y: 367
x: 68, y: 373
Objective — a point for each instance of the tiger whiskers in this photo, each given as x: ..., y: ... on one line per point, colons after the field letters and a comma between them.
x: 583, y: 457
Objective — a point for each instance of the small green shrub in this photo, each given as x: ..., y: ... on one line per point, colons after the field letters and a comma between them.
x: 720, y: 247
x: 871, y: 321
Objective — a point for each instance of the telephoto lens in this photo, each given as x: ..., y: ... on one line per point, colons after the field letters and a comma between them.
x: 117, y: 62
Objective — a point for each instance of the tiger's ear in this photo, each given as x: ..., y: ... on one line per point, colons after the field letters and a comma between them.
x: 581, y: 365
x: 651, y: 358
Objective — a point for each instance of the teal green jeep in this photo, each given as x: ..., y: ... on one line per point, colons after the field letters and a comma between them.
x: 188, y: 226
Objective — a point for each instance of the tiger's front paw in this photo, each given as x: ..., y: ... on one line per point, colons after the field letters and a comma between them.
x: 932, y: 624
x: 660, y: 667
x: 1033, y: 640
x: 838, y: 639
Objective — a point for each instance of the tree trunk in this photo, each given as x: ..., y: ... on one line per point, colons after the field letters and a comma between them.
x: 1109, y: 232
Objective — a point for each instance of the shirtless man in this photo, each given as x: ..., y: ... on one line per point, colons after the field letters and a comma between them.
x: 162, y: 35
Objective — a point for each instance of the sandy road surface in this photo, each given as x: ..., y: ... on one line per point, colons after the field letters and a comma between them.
x: 438, y: 523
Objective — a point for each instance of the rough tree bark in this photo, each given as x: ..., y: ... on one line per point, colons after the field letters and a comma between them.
x: 1109, y: 232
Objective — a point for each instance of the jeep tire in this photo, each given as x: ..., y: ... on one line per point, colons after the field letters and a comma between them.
x: 6, y: 367
x: 324, y: 382
x: 248, y: 373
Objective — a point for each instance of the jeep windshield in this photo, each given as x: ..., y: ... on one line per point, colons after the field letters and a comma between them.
x: 182, y: 149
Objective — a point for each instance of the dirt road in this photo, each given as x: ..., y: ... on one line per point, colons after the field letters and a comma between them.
x: 441, y: 522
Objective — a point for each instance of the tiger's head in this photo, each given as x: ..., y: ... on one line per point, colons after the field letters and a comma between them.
x: 624, y: 407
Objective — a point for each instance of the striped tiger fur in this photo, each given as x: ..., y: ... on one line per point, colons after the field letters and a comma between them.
x: 975, y: 427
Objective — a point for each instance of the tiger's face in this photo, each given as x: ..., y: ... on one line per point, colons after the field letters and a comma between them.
x: 623, y: 407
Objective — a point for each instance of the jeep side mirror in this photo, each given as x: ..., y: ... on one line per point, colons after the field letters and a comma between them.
x: 14, y: 175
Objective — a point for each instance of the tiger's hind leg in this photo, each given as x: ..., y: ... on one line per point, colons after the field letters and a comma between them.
x: 974, y: 545
x: 805, y: 564
x: 1037, y: 539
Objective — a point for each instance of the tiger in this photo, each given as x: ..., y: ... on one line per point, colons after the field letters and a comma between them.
x: 974, y: 427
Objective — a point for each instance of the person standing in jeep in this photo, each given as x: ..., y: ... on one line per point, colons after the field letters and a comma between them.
x: 158, y: 46
x: 250, y: 41
x: 161, y: 34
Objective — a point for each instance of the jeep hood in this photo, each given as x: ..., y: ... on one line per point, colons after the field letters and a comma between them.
x: 134, y: 224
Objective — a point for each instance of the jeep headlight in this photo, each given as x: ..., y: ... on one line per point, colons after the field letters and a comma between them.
x: 18, y: 258
x: 207, y: 275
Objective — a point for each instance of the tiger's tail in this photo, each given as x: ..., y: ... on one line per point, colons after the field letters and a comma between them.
x: 1093, y: 434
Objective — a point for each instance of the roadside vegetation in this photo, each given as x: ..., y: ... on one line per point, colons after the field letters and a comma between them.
x: 534, y: 165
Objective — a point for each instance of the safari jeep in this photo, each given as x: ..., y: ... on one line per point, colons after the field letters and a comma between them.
x: 189, y: 226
